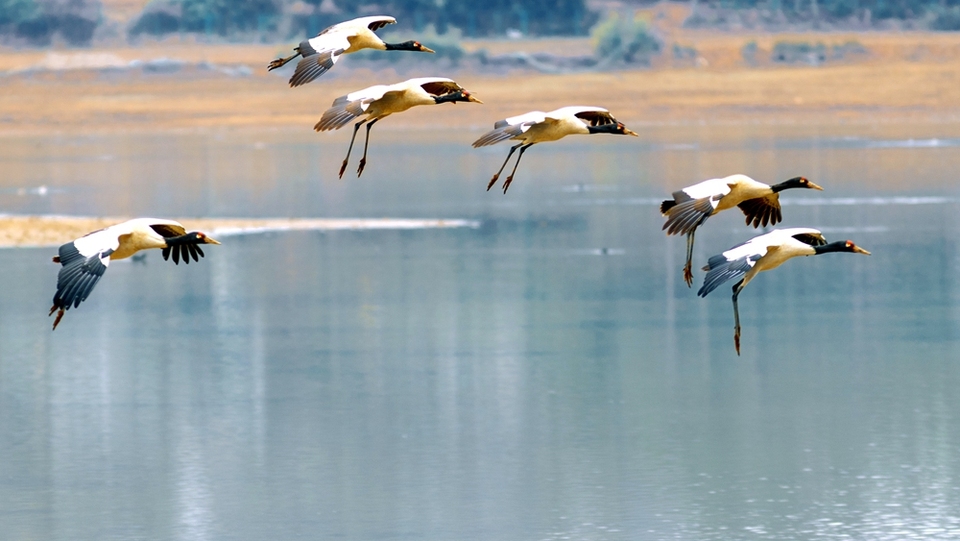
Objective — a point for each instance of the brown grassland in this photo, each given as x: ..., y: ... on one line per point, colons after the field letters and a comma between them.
x: 904, y: 76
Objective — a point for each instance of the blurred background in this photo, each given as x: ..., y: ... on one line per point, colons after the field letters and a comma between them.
x: 527, y: 365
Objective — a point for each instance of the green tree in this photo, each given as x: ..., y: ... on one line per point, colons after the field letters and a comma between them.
x: 13, y: 12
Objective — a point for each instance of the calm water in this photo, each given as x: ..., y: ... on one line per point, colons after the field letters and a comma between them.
x: 546, y: 375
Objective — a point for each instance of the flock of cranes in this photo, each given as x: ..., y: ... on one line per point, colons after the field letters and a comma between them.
x: 85, y: 260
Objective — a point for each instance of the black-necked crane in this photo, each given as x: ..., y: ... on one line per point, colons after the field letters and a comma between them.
x: 763, y: 253
x: 322, y: 52
x: 86, y: 259
x: 691, y: 206
x: 539, y: 127
x: 381, y: 101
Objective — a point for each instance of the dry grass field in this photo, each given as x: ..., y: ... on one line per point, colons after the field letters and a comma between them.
x: 911, y: 76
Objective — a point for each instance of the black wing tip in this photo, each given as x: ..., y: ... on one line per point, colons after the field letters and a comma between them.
x: 666, y: 206
x: 759, y: 212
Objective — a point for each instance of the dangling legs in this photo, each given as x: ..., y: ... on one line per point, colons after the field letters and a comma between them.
x: 736, y: 316
x: 280, y: 62
x: 356, y: 128
x: 523, y: 149
x: 363, y: 160
x: 59, y: 315
x: 687, y: 268
x: 497, y: 175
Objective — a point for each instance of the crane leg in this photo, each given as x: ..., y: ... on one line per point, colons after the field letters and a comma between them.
x: 736, y: 316
x: 506, y: 183
x: 688, y: 266
x: 356, y: 128
x: 366, y: 143
x: 59, y: 315
x: 280, y: 62
x: 497, y: 174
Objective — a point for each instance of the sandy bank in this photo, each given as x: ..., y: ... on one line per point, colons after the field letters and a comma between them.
x: 52, y: 231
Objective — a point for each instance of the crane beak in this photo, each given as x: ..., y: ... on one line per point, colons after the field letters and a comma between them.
x: 473, y: 99
x: 859, y: 250
x: 813, y: 186
x: 208, y: 240
x: 425, y: 49
x: 630, y: 132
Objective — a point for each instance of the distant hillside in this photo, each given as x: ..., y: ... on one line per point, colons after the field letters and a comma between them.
x: 123, y: 10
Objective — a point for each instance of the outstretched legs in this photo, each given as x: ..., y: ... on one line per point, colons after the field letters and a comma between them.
x: 736, y: 316
x: 506, y: 183
x: 356, y: 128
x: 280, y: 62
x: 688, y: 266
x: 497, y: 174
x: 366, y: 143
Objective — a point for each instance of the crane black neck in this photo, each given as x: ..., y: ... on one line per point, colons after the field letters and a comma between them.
x: 451, y: 97
x: 189, y: 238
x: 605, y: 128
x: 795, y: 182
x: 405, y: 46
x: 839, y: 246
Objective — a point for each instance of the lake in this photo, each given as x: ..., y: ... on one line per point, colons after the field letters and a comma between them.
x: 543, y: 375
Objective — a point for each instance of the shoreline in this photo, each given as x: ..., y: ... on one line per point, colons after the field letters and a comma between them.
x: 50, y: 231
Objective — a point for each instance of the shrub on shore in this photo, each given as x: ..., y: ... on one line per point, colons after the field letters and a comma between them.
x: 629, y: 42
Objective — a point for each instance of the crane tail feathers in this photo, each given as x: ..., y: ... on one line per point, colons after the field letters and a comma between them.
x: 78, y: 276
x: 339, y: 116
x: 495, y: 136
x: 685, y: 216
x: 720, y: 269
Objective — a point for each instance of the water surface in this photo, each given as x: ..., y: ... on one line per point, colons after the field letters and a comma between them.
x: 546, y: 375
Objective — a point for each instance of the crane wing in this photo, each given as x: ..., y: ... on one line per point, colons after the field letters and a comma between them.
x: 502, y: 134
x: 440, y: 87
x: 374, y: 23
x: 686, y: 214
x: 78, y: 275
x: 596, y: 117
x: 319, y: 55
x: 576, y: 110
x: 813, y: 239
x: 721, y: 268
x: 510, y: 127
x: 346, y: 108
x: 183, y: 251
x: 313, y: 66
x: 762, y: 210
x: 169, y: 230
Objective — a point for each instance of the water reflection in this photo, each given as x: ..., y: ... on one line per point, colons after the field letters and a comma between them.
x: 546, y: 375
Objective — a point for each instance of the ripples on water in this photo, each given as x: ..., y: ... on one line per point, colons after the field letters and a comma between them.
x: 541, y: 374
